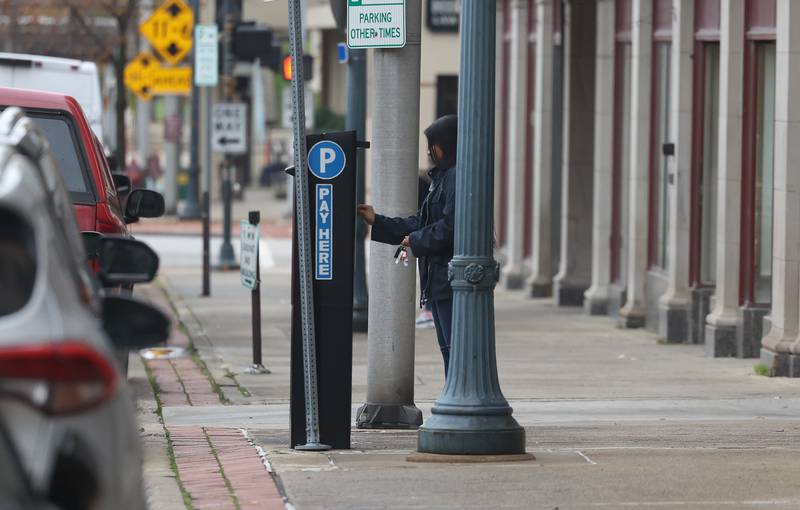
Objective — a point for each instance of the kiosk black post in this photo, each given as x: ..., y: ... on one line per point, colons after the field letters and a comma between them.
x: 332, y: 206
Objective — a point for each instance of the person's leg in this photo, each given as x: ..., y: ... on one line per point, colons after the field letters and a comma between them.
x: 443, y: 318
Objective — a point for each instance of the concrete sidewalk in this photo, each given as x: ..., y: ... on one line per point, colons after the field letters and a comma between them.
x: 615, y: 419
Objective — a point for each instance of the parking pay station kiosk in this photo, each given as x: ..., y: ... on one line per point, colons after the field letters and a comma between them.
x: 332, y: 208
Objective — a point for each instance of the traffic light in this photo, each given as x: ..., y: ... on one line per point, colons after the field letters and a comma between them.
x: 308, y: 67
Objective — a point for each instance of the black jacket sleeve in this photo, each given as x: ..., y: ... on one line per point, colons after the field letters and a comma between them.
x: 437, y: 238
x: 392, y: 230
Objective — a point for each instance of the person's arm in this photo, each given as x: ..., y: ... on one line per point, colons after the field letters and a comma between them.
x: 437, y: 238
x: 385, y: 229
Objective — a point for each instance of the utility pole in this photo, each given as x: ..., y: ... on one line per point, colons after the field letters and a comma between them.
x: 395, y: 162
x: 471, y: 416
x: 227, y: 259
x: 172, y: 109
x: 191, y: 206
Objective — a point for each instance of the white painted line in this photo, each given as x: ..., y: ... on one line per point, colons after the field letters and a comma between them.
x: 586, y: 458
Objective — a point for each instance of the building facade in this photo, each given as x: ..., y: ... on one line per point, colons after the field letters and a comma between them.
x: 644, y: 157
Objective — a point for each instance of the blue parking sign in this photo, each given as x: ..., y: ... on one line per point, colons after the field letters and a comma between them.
x: 326, y: 160
x: 324, y: 238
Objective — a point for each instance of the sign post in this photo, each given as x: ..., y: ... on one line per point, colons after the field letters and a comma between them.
x: 206, y: 74
x: 376, y: 23
x: 251, y: 278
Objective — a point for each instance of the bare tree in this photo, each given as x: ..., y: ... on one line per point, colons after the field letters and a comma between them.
x: 113, y: 47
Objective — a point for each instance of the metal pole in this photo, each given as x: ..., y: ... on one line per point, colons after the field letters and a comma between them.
x: 207, y: 197
x: 471, y: 416
x: 395, y: 163
x: 227, y: 259
x: 254, y: 217
x: 191, y: 208
x: 356, y: 121
x: 171, y: 155
x: 303, y: 232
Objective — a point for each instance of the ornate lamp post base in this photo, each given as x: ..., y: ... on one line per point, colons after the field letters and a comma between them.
x: 471, y: 434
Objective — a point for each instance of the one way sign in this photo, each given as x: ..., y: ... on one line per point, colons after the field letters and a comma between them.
x: 229, y: 128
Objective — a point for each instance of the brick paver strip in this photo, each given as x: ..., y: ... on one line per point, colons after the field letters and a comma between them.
x: 211, y: 462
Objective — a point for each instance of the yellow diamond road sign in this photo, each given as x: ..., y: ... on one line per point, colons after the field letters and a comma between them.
x: 146, y: 78
x: 169, y: 30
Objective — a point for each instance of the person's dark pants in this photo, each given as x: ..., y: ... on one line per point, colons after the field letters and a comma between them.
x: 443, y: 320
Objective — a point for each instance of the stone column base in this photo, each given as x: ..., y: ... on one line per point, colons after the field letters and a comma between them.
x: 720, y: 341
x: 781, y: 364
x: 540, y: 290
x: 699, y: 308
x: 748, y: 338
x: 388, y: 416
x: 617, y: 297
x: 568, y: 295
x: 513, y: 281
x: 595, y: 305
x: 673, y: 323
x: 633, y: 320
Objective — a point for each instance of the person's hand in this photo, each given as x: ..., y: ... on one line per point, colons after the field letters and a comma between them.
x: 366, y: 212
x: 406, y: 242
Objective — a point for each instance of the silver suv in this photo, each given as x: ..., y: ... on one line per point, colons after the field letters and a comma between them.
x: 63, y: 402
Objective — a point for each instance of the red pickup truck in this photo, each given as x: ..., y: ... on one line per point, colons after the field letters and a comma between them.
x: 103, y: 202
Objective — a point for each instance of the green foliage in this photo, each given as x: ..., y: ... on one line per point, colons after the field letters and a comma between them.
x: 761, y: 369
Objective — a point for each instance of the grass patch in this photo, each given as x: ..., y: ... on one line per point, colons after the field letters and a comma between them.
x: 761, y: 369
x: 173, y: 465
x: 230, y: 375
x: 206, y: 372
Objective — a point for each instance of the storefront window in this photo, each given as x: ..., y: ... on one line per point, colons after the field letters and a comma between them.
x: 765, y: 143
x: 709, y: 169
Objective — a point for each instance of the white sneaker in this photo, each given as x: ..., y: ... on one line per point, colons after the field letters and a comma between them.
x: 425, y: 320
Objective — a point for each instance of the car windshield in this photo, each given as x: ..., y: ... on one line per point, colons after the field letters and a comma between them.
x: 67, y: 153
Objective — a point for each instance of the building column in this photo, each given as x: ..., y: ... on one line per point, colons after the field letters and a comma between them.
x: 781, y: 346
x: 633, y: 314
x: 721, y: 323
x: 540, y: 282
x: 514, y: 268
x: 574, y: 275
x: 596, y: 298
x: 673, y: 306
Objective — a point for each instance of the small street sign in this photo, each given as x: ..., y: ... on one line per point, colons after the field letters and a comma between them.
x: 341, y: 53
x: 146, y: 78
x: 229, y: 128
x: 206, y: 58
x: 248, y: 251
x: 169, y: 30
x: 376, y: 23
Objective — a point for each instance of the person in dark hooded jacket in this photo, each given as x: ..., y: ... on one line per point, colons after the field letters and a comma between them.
x: 429, y: 233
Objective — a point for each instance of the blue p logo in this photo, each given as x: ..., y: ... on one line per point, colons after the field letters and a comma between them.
x: 326, y: 160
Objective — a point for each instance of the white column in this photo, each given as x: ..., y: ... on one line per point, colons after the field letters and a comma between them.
x: 596, y: 298
x: 633, y: 313
x: 498, y: 119
x: 723, y: 319
x: 513, y: 269
x: 673, y: 309
x: 540, y: 282
x: 574, y: 275
x: 783, y: 337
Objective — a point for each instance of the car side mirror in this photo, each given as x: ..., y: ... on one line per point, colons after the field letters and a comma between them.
x: 134, y: 324
x: 123, y: 184
x: 144, y: 203
x: 125, y: 261
x: 90, y: 243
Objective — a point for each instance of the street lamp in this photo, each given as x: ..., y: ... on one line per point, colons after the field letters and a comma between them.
x: 471, y: 416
